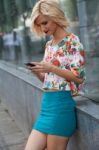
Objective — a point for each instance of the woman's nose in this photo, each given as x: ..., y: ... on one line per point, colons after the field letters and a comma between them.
x: 44, y: 28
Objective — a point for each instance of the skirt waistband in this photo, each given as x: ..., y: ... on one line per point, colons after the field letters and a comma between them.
x: 53, y: 94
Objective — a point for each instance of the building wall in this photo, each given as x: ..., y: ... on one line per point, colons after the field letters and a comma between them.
x: 21, y: 92
x: 88, y: 12
x: 84, y: 14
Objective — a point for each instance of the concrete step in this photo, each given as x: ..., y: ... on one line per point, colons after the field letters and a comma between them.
x: 11, y: 137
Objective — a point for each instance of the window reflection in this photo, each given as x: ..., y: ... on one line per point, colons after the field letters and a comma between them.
x: 70, y: 9
x: 17, y: 43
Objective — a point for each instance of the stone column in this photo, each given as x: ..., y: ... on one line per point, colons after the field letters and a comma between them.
x: 83, y: 23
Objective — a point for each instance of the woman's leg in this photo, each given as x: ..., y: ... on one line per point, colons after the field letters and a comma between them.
x: 36, y: 141
x: 56, y: 142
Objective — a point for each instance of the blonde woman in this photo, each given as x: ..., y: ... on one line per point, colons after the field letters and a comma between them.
x: 62, y: 74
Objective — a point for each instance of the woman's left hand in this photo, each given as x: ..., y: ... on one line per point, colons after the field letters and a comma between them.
x: 43, y: 67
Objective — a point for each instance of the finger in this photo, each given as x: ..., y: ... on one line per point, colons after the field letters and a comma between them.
x: 38, y: 70
x: 35, y: 63
x: 37, y: 67
x: 30, y: 68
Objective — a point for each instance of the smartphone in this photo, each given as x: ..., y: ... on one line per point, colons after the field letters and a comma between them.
x: 30, y: 64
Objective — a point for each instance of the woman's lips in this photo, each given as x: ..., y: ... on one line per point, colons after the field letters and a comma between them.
x: 45, y: 32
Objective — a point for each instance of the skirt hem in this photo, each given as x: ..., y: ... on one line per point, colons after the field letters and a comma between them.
x: 50, y: 133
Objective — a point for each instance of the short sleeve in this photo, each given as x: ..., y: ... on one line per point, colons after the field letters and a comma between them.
x: 76, y: 56
x: 75, y: 52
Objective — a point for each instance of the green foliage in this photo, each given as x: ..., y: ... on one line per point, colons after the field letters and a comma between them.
x: 22, y: 6
x: 13, y: 9
x: 2, y: 14
x: 11, y: 13
x: 10, y: 10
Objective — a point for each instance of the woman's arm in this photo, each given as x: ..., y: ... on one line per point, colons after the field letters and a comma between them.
x: 40, y: 76
x: 44, y: 67
x: 67, y: 74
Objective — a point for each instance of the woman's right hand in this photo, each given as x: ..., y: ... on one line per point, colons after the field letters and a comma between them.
x: 30, y: 67
x: 39, y: 75
x: 32, y: 70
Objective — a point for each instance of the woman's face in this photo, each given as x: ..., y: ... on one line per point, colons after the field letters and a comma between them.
x: 48, y: 26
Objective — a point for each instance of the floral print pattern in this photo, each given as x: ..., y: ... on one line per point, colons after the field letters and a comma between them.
x: 67, y: 54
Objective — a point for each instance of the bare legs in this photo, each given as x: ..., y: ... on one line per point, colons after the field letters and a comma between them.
x: 56, y: 142
x: 39, y: 141
x: 36, y: 141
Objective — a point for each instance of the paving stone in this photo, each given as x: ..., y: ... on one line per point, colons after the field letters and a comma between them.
x: 2, y: 107
x: 8, y: 127
x: 15, y: 138
x: 4, y: 115
x: 18, y: 147
x: 11, y: 137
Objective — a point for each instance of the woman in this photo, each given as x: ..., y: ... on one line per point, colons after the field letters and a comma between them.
x: 62, y: 74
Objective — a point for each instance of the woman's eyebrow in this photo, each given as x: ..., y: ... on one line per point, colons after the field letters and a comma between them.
x: 44, y: 22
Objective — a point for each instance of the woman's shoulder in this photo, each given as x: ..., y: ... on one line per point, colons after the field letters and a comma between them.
x: 75, y: 40
x: 73, y: 36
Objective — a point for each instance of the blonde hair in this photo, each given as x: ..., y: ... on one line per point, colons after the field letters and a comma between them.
x: 48, y: 8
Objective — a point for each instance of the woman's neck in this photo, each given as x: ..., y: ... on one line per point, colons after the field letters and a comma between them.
x: 59, y: 35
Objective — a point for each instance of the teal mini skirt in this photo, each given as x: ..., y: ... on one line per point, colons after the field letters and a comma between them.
x: 57, y: 114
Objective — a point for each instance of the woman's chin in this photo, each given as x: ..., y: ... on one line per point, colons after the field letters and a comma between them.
x: 48, y: 34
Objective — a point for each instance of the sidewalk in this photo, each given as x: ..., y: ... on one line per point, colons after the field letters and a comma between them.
x: 11, y: 137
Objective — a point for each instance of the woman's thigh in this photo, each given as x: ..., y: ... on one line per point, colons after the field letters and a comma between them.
x: 36, y: 141
x: 57, y: 142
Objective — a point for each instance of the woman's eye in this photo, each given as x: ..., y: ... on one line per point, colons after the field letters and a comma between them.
x: 44, y: 23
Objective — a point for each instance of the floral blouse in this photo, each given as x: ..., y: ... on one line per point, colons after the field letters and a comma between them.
x: 68, y: 54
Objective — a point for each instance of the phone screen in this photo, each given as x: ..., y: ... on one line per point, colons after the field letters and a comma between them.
x: 30, y: 64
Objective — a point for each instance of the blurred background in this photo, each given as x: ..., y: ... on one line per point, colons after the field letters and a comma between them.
x: 20, y: 90
x: 18, y: 45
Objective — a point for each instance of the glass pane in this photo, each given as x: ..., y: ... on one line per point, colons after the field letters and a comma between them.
x: 88, y: 13
x: 17, y: 43
x: 70, y: 9
x: 92, y: 10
